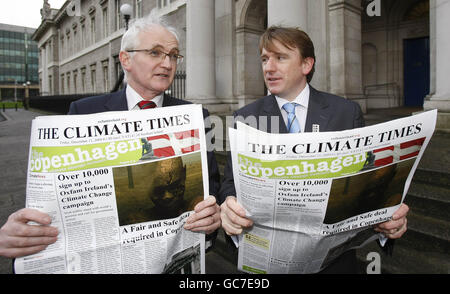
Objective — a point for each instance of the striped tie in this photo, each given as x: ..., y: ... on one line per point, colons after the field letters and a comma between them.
x: 144, y: 104
x: 293, y: 125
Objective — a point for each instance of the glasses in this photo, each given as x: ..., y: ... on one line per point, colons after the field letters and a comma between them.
x: 158, y: 54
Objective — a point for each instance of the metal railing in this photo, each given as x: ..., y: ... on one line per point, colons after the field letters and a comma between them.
x: 178, y: 87
x: 391, y: 91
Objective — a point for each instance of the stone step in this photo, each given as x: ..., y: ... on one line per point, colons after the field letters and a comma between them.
x: 406, y: 260
x: 426, y: 233
x: 429, y: 200
x: 420, y: 250
x: 432, y: 177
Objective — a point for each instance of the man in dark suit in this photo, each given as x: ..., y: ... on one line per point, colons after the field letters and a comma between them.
x: 288, y: 59
x: 149, y: 56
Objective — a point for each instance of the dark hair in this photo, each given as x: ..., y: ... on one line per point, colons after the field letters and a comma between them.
x: 291, y: 38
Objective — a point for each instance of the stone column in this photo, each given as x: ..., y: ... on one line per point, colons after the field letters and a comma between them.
x: 345, y: 50
x: 292, y: 13
x: 200, y: 51
x: 224, y: 49
x: 295, y: 13
x: 439, y: 97
x: 318, y: 32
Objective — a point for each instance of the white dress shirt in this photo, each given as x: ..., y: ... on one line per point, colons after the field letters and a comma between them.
x: 133, y: 98
x: 301, y: 110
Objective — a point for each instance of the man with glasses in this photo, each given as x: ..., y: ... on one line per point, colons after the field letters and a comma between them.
x: 149, y: 56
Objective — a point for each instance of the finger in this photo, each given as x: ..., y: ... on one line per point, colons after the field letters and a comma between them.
x: 392, y: 227
x: 401, y: 212
x: 209, y: 201
x: 25, y: 242
x: 231, y: 227
x: 227, y: 225
x: 205, y: 212
x: 238, y: 220
x: 397, y: 233
x: 231, y: 230
x: 232, y: 204
x: 24, y: 230
x: 207, y: 225
x: 28, y: 214
x: 18, y: 252
x: 392, y: 224
x: 211, y: 220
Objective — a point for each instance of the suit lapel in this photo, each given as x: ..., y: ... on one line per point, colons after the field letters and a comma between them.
x: 319, y: 112
x: 271, y: 110
x: 168, y: 100
x: 117, y: 101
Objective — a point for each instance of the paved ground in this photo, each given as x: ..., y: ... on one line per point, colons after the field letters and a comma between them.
x: 14, y: 145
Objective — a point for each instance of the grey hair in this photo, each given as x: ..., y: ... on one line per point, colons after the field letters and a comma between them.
x: 130, y: 39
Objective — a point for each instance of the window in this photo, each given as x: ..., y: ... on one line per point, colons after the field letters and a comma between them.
x: 83, y: 36
x: 75, y: 76
x: 162, y: 3
x: 75, y: 41
x: 68, y: 82
x: 105, y: 22
x: 83, y: 80
x: 168, y: 6
x: 93, y: 79
x: 93, y: 30
x: 68, y: 45
x: 49, y: 51
x: 62, y: 84
x: 61, y: 52
x: 117, y: 14
x: 105, y: 77
x: 138, y: 8
x: 117, y: 67
x: 50, y: 84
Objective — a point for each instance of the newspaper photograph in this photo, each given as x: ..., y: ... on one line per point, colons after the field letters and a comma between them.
x: 313, y: 196
x: 119, y: 187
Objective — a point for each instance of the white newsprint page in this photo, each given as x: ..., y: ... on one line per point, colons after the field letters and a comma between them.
x: 312, y: 196
x: 119, y: 186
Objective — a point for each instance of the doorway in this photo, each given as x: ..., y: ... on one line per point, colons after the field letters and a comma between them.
x: 416, y: 70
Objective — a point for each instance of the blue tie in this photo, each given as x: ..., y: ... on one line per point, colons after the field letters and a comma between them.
x: 293, y: 125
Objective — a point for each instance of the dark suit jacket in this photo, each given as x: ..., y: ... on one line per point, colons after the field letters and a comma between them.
x: 117, y: 101
x: 331, y: 113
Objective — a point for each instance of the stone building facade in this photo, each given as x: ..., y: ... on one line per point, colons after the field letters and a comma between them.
x: 367, y: 50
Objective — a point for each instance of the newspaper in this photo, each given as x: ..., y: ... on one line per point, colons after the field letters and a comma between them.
x: 312, y: 196
x: 119, y: 187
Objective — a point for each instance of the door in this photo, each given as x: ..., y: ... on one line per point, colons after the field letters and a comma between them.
x: 416, y: 70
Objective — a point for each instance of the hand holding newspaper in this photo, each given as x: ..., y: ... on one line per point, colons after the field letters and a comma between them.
x: 312, y: 196
x: 119, y: 187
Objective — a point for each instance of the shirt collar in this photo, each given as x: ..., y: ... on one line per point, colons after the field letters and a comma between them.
x: 302, y: 98
x: 133, y: 98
